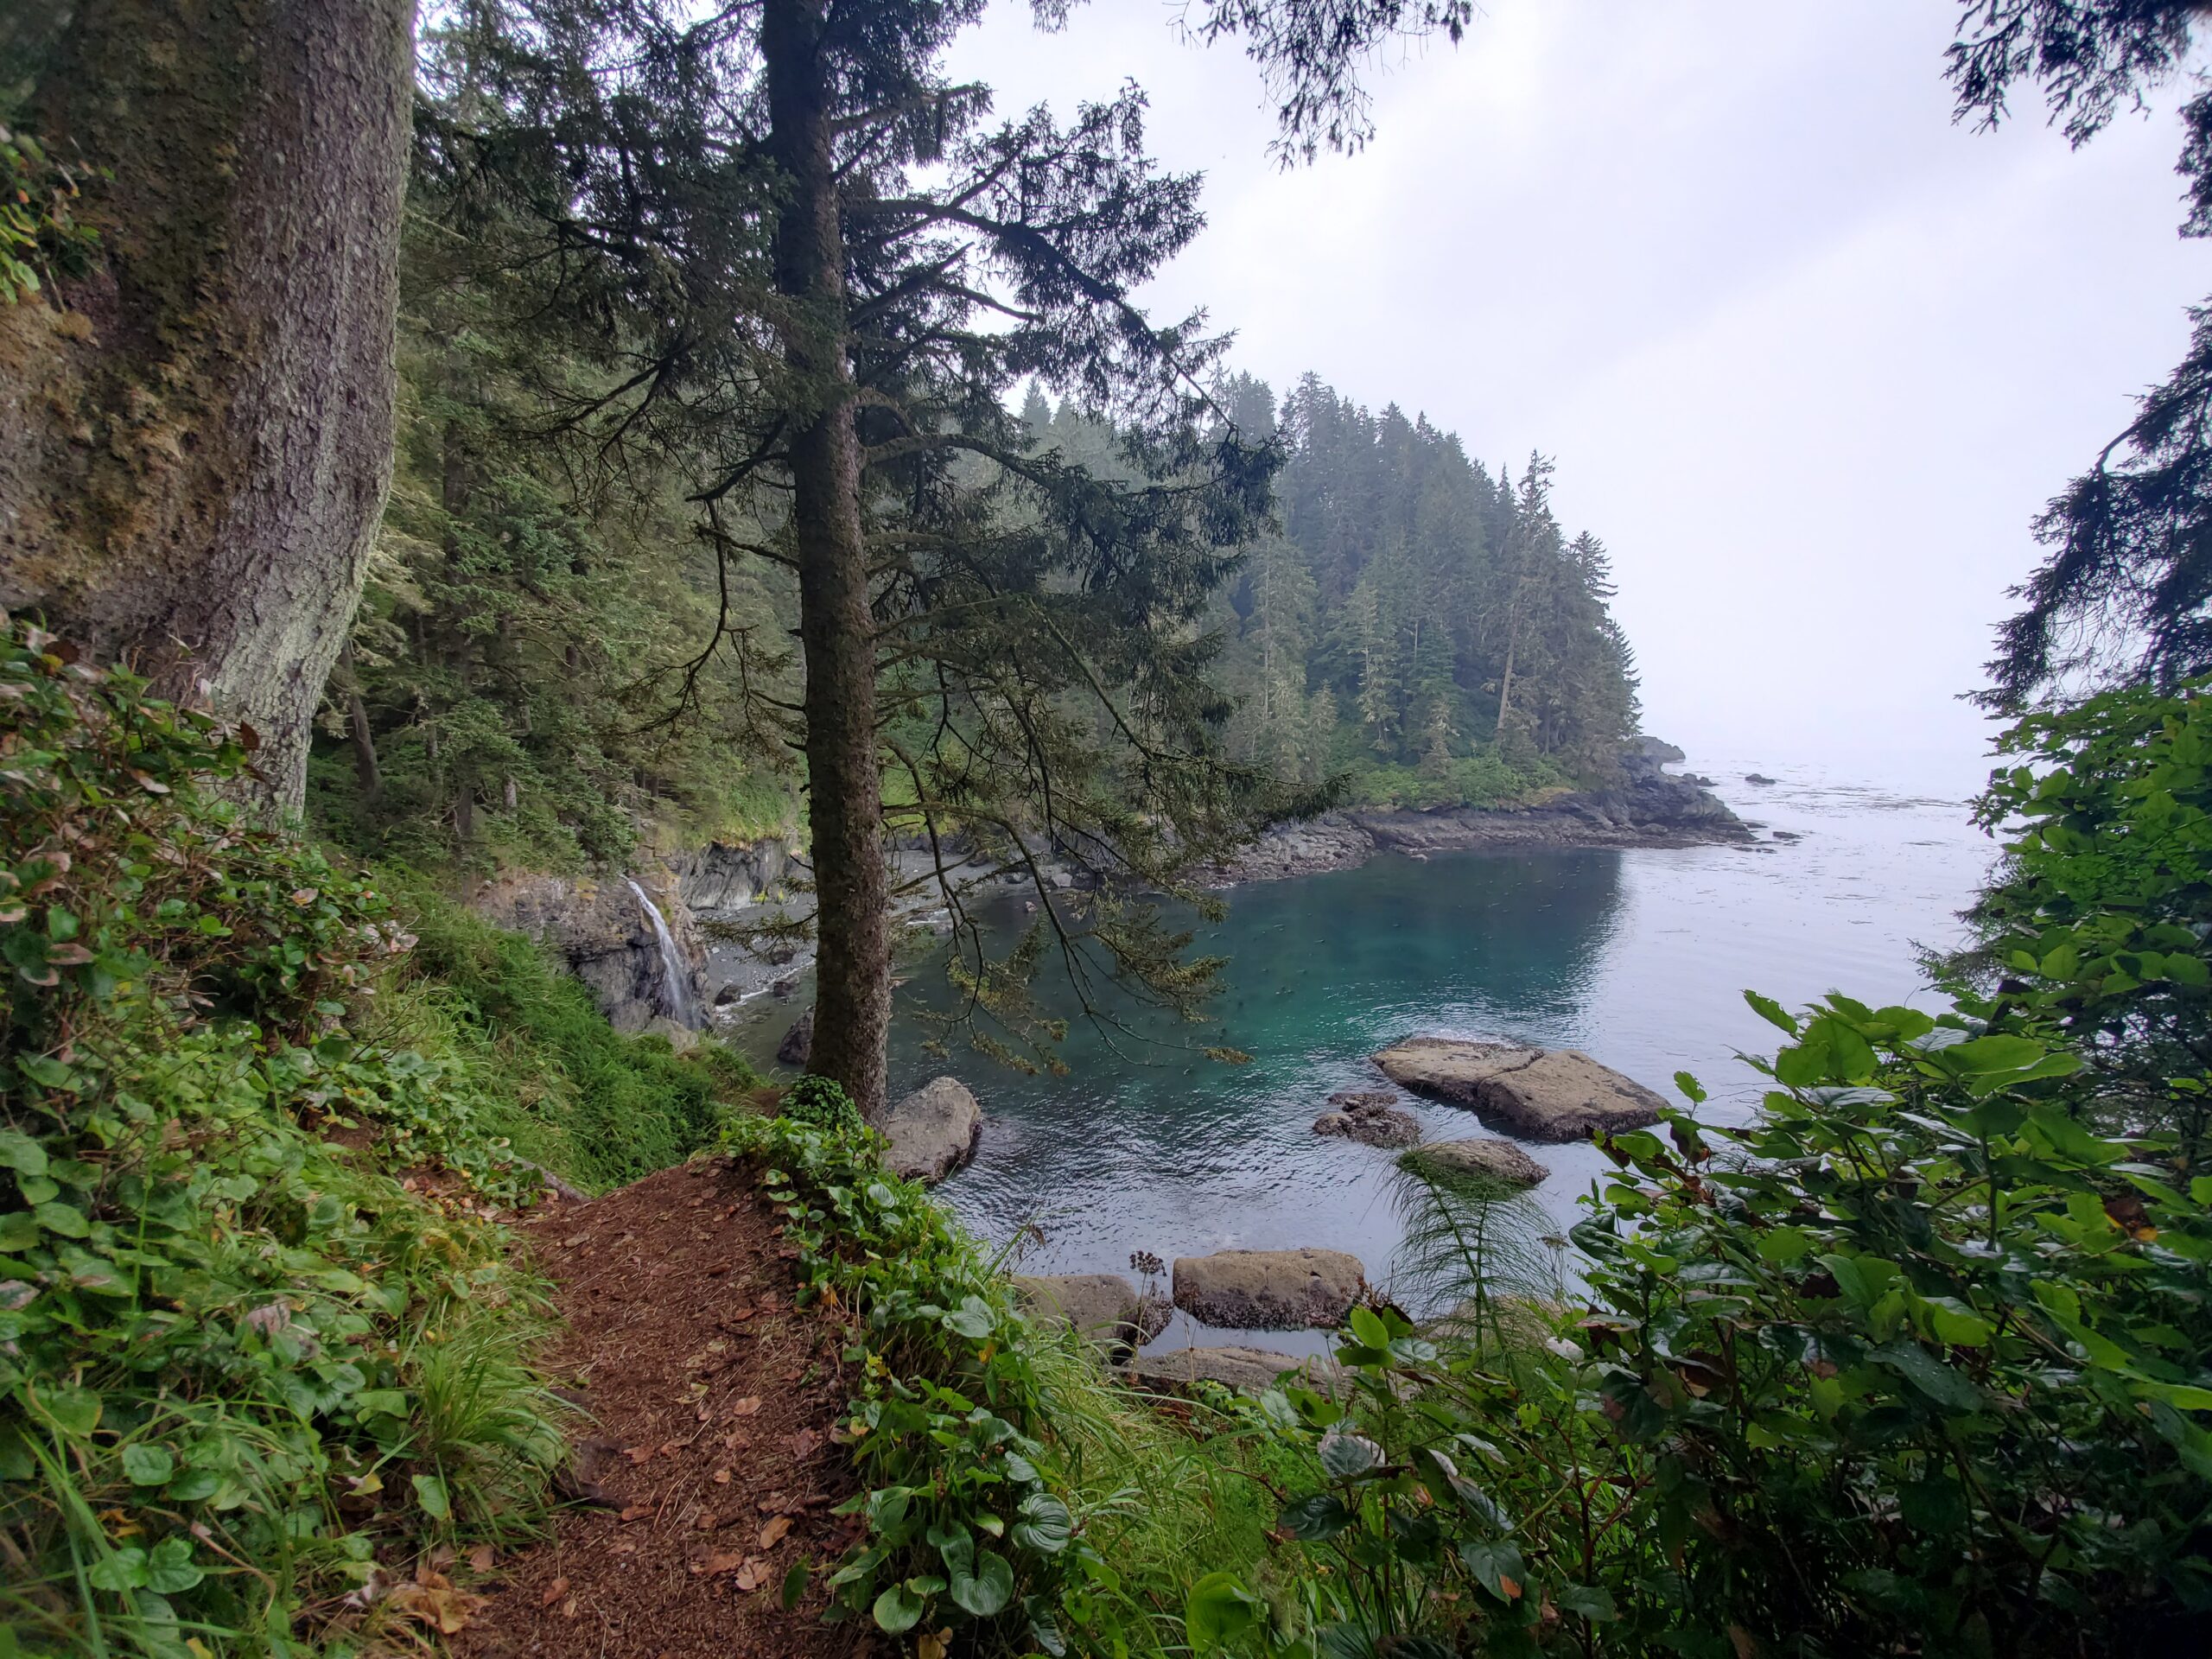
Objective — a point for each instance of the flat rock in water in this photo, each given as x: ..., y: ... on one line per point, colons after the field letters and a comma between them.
x: 933, y: 1131
x: 1269, y: 1290
x: 1558, y: 1094
x: 1100, y: 1306
x: 1249, y: 1369
x: 1488, y: 1159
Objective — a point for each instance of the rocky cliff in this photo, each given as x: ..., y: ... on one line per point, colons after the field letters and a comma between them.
x: 603, y: 931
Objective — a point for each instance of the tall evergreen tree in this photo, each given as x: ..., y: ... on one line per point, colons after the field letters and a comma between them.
x: 2125, y: 590
x: 821, y: 269
x: 196, y: 435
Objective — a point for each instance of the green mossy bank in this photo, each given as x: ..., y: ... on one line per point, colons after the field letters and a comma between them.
x: 261, y: 1343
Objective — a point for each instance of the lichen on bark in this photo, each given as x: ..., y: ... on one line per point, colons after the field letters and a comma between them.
x: 195, y: 440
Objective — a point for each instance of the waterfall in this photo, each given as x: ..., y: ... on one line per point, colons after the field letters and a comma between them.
x: 676, y: 979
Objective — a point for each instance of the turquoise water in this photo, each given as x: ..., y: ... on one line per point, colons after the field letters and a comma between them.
x: 1638, y: 958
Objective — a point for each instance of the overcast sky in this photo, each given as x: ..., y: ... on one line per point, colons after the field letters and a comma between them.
x: 1808, y: 356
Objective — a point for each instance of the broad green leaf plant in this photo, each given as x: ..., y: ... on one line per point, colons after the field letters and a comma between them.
x: 239, y: 1358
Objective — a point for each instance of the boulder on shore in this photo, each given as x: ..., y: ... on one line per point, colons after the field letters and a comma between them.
x: 1489, y: 1159
x: 1251, y: 1370
x: 1269, y: 1290
x: 1373, y: 1120
x: 933, y: 1131
x: 797, y: 1045
x: 1101, y: 1307
x: 1558, y: 1094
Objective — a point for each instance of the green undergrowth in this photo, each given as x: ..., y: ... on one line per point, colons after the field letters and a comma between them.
x: 1916, y: 1358
x: 261, y: 1345
x: 1485, y: 779
x: 1015, y: 1499
x: 597, y: 1106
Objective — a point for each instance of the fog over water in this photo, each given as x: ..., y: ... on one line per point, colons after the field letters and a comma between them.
x: 1809, y: 356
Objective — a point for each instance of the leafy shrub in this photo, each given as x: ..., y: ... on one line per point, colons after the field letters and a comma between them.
x: 1913, y: 1361
x: 1011, y: 1488
x: 39, y: 228
x: 821, y: 1104
x: 231, y: 1349
x: 960, y: 1519
x: 1485, y: 779
x: 2100, y: 919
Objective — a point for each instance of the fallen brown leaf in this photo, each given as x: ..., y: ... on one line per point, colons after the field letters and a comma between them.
x: 636, y: 1511
x: 772, y: 1534
x: 721, y: 1477
x: 481, y: 1557
x: 751, y: 1576
x: 637, y: 1453
x: 553, y: 1593
x: 746, y: 1407
x: 436, y: 1604
x: 723, y: 1560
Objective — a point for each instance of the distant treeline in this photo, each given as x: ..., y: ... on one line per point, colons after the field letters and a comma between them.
x: 1417, y: 623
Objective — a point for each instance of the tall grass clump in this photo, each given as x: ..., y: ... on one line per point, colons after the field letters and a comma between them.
x: 258, y: 1343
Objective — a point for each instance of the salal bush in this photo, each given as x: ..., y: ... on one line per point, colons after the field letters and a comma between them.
x: 2099, y: 922
x: 239, y: 1360
x: 1914, y: 1361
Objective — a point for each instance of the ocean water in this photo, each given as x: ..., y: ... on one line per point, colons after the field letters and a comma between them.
x: 1637, y: 957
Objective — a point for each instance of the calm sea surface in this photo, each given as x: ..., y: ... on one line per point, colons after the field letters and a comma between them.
x: 1638, y: 958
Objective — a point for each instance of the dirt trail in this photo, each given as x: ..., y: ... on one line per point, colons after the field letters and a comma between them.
x: 705, y: 1472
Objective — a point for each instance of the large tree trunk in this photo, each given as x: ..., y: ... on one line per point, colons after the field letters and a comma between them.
x: 194, y: 454
x: 852, y: 1007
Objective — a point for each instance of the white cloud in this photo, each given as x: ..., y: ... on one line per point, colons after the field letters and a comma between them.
x: 1809, y: 356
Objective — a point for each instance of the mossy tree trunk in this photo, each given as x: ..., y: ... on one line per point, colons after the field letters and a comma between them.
x: 852, y: 1008
x: 196, y: 443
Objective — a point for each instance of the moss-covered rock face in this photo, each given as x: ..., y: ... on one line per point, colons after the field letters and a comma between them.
x: 603, y: 931
x: 1486, y: 1160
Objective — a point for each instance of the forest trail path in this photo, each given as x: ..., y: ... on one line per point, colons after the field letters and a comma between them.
x: 704, y: 1471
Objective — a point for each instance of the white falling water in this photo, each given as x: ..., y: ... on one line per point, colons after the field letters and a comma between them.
x: 676, y: 980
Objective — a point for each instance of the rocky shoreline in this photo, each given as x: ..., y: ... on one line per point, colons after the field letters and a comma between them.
x: 1649, y: 807
x: 675, y: 946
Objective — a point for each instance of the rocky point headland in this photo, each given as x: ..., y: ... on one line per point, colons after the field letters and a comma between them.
x: 1650, y: 806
